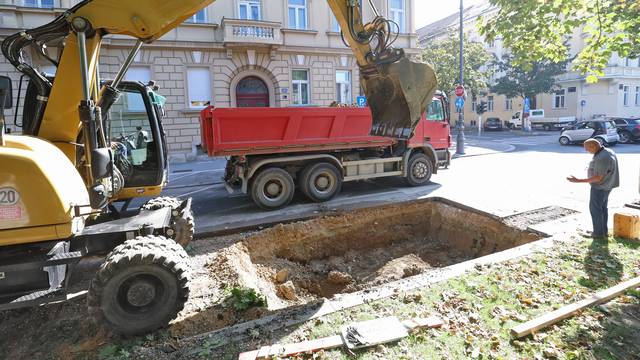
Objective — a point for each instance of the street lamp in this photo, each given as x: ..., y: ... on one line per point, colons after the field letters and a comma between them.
x: 460, y: 124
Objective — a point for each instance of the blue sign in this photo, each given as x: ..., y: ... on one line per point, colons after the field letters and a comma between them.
x: 361, y: 101
x: 527, y: 105
x: 459, y: 103
x: 583, y: 103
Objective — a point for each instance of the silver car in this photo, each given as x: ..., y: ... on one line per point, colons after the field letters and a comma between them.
x: 602, y: 130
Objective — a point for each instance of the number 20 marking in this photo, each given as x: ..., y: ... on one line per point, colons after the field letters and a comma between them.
x: 8, y: 196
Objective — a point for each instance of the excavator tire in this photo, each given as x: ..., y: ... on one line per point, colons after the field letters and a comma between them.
x: 183, y: 227
x: 141, y: 286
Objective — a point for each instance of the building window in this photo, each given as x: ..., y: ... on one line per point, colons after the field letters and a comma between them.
x: 508, y: 104
x: 298, y: 14
x: 637, y: 95
x: 625, y: 97
x: 558, y: 99
x: 489, y: 103
x: 300, y: 87
x: 198, y: 18
x: 39, y: 3
x: 134, y: 101
x: 249, y: 9
x: 343, y: 86
x: 199, y: 87
x: 396, y: 13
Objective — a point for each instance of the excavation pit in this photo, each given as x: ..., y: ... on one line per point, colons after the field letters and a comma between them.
x: 300, y: 262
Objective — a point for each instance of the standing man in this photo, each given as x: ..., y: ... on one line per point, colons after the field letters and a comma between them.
x: 603, y: 177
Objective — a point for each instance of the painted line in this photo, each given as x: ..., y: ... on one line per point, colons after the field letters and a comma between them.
x: 199, y: 190
x: 193, y: 173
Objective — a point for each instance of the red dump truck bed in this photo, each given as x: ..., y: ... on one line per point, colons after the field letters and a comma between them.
x: 253, y: 131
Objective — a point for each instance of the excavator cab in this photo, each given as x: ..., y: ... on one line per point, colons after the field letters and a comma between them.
x: 138, y: 140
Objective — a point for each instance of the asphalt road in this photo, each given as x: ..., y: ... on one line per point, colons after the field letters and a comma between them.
x: 503, y: 173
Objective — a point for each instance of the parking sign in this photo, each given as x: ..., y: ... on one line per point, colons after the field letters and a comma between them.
x: 361, y: 101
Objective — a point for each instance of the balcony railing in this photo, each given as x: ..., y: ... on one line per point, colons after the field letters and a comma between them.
x: 251, y: 32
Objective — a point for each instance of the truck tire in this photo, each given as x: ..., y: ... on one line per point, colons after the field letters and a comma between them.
x: 564, y: 141
x: 141, y: 286
x: 183, y: 227
x: 272, y: 188
x: 320, y: 181
x: 419, y: 169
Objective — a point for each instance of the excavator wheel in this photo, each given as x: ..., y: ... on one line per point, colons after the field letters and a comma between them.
x: 141, y: 286
x: 183, y: 226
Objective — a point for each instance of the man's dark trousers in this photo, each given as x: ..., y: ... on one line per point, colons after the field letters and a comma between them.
x: 599, y: 212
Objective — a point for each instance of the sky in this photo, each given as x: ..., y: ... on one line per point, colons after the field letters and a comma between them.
x: 428, y: 11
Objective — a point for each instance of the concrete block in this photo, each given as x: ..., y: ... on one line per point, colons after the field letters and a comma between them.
x: 626, y: 225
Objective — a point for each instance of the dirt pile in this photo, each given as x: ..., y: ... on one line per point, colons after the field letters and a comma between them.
x: 296, y: 263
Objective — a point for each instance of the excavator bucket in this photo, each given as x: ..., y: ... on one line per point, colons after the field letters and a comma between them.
x: 398, y: 94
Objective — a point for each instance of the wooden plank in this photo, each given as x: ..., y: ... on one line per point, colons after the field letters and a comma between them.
x: 307, y: 346
x: 331, y: 342
x: 569, y: 310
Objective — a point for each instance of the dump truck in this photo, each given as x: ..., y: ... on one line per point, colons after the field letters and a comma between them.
x: 272, y: 152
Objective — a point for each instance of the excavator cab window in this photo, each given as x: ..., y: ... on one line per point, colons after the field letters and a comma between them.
x: 136, y: 137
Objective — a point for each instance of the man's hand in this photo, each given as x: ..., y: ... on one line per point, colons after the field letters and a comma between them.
x: 573, y: 179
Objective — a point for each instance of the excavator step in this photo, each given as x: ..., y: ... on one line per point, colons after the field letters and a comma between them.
x: 34, y: 299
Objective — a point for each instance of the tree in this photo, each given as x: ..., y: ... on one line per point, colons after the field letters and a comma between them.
x: 444, y: 56
x: 537, y: 30
x: 516, y: 81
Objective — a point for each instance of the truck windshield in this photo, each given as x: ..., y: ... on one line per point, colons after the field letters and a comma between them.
x: 435, y: 111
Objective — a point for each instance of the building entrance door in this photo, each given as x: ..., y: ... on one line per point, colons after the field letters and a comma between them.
x: 252, y: 92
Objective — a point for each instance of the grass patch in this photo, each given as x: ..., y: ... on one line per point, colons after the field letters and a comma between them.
x: 481, y: 307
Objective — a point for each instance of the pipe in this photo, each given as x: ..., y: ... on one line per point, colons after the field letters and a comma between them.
x: 125, y: 66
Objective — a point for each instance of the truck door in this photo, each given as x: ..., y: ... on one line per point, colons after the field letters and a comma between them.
x: 136, y: 137
x: 437, y: 128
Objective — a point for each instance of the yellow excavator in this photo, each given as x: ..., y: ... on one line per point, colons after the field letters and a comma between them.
x: 59, y: 179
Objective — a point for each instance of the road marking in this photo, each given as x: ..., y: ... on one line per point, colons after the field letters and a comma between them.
x: 197, y: 191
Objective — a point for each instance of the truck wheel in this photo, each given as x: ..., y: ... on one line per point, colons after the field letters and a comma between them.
x: 419, y: 169
x: 182, y: 227
x: 272, y: 189
x: 564, y: 141
x: 320, y: 181
x: 141, y: 286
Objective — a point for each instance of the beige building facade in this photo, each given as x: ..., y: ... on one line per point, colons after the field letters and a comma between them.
x: 233, y: 53
x: 616, y: 94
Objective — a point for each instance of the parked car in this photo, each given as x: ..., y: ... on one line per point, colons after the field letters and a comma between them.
x: 602, y: 130
x: 493, y: 123
x: 628, y: 129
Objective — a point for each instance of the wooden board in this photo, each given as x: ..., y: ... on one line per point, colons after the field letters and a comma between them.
x: 567, y: 311
x: 374, y: 329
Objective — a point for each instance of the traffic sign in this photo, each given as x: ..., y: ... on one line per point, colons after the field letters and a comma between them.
x: 527, y: 105
x: 583, y: 103
x: 459, y: 103
x: 361, y: 101
x: 459, y: 91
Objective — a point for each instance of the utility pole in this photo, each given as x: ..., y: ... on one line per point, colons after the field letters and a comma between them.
x: 460, y: 125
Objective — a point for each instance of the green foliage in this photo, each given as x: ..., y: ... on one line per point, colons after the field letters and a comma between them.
x: 113, y: 352
x: 537, y: 30
x: 444, y: 56
x: 518, y: 81
x: 245, y: 298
